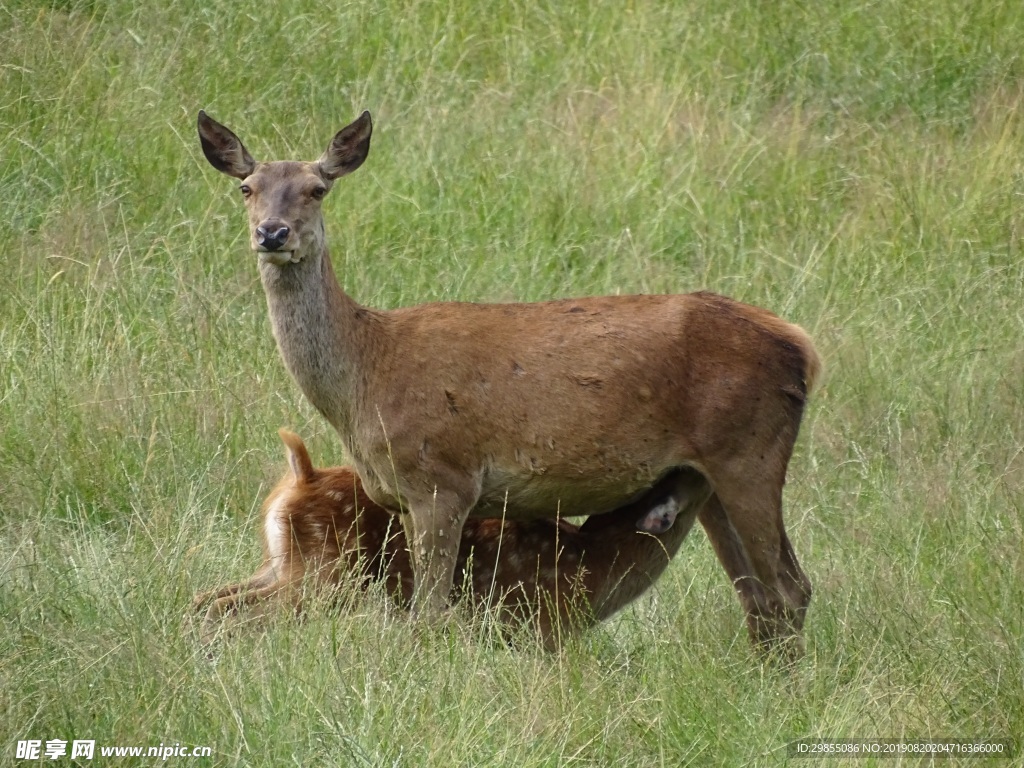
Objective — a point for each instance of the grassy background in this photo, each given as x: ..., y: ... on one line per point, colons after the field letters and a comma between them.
x: 857, y: 167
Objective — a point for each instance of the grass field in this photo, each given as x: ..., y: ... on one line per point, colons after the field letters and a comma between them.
x: 857, y: 167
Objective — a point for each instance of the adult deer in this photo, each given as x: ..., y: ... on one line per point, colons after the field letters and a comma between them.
x: 563, y: 407
x: 320, y: 530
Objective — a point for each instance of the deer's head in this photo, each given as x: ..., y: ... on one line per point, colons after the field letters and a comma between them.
x: 283, y: 197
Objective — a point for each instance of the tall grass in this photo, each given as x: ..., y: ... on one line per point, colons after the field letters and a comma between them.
x: 854, y: 166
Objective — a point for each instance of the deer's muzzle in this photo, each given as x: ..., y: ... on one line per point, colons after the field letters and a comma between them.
x: 272, y: 234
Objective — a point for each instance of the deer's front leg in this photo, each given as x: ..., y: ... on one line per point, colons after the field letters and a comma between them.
x: 436, y: 523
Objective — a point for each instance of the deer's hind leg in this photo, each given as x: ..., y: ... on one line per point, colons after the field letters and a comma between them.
x: 228, y: 591
x: 746, y: 530
x: 265, y: 587
x: 733, y: 557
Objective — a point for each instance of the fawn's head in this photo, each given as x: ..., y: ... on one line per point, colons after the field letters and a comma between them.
x: 283, y: 197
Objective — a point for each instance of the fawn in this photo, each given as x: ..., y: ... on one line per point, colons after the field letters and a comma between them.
x: 560, y: 578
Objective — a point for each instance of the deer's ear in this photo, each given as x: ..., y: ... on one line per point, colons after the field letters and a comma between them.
x: 348, y: 149
x: 298, y: 457
x: 223, y: 149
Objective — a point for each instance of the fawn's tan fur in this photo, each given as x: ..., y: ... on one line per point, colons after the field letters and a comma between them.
x: 320, y: 529
x: 457, y: 410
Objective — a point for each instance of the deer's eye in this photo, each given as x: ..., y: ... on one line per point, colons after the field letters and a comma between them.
x: 318, y: 193
x: 246, y: 190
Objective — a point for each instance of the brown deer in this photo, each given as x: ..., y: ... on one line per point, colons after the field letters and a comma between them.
x: 558, y: 408
x: 321, y: 530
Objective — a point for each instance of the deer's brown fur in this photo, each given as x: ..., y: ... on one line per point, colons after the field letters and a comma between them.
x: 453, y: 410
x: 320, y: 530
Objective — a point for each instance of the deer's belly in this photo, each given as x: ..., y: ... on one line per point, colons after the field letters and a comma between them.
x: 537, y: 496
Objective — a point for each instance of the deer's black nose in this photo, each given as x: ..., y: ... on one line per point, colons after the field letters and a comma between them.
x: 271, y: 235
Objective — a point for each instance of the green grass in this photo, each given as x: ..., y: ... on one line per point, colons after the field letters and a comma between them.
x: 856, y: 167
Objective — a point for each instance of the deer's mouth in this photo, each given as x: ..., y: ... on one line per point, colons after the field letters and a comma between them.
x: 278, y: 258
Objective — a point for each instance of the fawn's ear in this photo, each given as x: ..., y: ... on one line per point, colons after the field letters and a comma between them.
x: 348, y: 148
x: 223, y: 149
x: 298, y: 456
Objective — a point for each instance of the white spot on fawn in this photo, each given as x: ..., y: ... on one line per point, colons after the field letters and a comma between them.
x: 660, y: 518
x: 276, y: 528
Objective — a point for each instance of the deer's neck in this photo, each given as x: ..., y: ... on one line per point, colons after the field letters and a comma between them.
x: 320, y: 332
x: 635, y: 561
